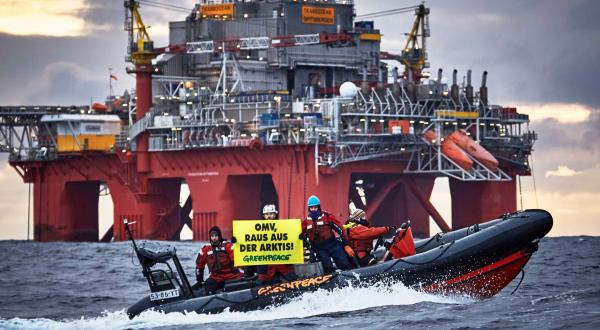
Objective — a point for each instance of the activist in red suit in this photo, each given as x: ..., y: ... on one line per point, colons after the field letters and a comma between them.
x: 218, y: 255
x: 326, y: 238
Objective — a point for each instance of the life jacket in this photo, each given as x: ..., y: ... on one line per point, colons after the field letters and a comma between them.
x: 218, y: 260
x: 403, y: 244
x: 319, y: 231
x: 362, y: 247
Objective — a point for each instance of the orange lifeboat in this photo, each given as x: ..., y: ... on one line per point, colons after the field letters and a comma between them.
x: 99, y: 107
x: 451, y: 150
x: 478, y: 152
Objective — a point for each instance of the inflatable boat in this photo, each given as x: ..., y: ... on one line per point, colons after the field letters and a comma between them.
x: 477, y: 261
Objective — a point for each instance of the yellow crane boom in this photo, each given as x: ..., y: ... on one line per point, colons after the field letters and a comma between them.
x: 414, y: 54
x: 141, y: 47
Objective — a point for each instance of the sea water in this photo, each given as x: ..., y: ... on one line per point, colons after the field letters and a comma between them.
x: 90, y: 285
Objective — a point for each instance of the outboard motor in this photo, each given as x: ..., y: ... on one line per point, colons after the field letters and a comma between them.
x: 165, y: 284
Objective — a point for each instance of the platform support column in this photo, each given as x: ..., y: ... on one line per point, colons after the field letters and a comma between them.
x: 476, y: 202
x: 64, y: 210
x: 421, y: 188
x: 398, y: 198
x: 143, y: 84
x: 148, y: 209
x: 296, y: 180
x: 219, y: 199
x: 289, y: 180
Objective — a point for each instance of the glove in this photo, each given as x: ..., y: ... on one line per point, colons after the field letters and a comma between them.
x: 200, y: 276
x: 302, y: 236
x: 349, y: 251
x: 233, y: 239
x: 387, y: 245
x: 392, y: 228
x: 197, y: 286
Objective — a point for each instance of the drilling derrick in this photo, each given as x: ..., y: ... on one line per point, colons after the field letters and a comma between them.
x: 269, y: 102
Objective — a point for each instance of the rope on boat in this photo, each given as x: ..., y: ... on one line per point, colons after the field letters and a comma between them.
x: 520, y: 192
x: 520, y: 281
x: 131, y: 255
x: 537, y: 204
x: 437, y: 236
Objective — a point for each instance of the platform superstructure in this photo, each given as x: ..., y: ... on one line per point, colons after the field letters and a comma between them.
x: 269, y: 102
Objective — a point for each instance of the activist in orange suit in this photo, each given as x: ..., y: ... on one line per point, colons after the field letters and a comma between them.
x: 218, y: 255
x: 268, y: 274
x: 361, y: 236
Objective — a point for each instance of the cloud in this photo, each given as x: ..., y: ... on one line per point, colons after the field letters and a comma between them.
x: 111, y: 15
x: 28, y: 61
x: 567, y: 149
x: 62, y: 78
x: 573, y: 214
x: 591, y: 134
x: 73, y: 18
x: 548, y: 57
x: 563, y: 171
x: 37, y: 17
x: 576, y: 141
x: 564, y: 113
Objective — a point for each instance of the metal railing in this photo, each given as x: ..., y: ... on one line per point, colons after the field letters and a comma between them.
x: 355, y: 129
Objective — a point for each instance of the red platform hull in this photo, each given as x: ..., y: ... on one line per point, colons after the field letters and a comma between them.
x: 234, y: 183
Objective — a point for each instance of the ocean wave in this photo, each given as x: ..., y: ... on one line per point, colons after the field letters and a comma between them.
x: 308, y: 305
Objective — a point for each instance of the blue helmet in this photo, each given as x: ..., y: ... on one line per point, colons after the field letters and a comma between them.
x: 313, y: 201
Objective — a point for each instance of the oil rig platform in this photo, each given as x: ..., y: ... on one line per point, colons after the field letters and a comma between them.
x: 260, y: 102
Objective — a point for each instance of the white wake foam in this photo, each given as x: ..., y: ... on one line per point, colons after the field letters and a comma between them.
x: 309, y: 304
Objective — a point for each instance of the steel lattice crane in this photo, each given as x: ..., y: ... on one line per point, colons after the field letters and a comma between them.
x: 414, y: 54
x: 141, y: 48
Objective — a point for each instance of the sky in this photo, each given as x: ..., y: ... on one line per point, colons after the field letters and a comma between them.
x: 542, y: 57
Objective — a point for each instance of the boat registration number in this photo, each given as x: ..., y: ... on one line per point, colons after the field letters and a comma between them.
x: 164, y: 294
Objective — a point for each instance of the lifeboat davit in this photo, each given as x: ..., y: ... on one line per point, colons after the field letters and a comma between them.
x: 185, y: 139
x: 461, y: 139
x: 451, y: 150
x: 477, y: 261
